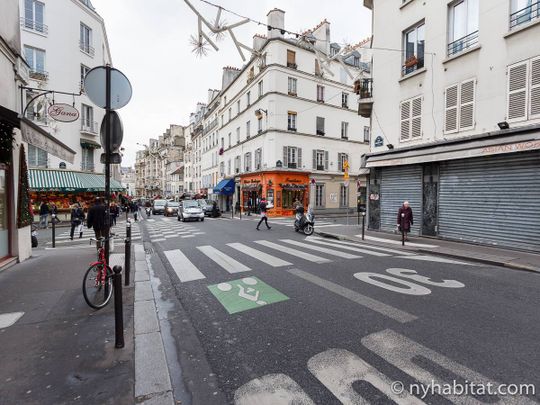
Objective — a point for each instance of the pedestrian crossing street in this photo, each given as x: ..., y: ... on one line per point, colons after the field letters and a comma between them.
x: 160, y: 229
x: 280, y: 253
x: 64, y: 238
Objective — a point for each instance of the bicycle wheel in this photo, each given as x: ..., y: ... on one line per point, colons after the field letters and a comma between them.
x: 97, y: 294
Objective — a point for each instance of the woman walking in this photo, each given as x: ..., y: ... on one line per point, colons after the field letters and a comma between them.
x: 77, y: 219
x: 264, y: 216
x: 405, y: 218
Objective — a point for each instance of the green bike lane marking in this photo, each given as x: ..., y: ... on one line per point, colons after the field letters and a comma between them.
x: 245, y: 294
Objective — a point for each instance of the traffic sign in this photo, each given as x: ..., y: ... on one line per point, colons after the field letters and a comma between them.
x: 117, y: 132
x: 95, y: 87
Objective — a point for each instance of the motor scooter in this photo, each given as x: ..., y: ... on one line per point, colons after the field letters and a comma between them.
x: 304, y: 222
x: 148, y: 211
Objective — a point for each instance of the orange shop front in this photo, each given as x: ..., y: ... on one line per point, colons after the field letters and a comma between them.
x: 280, y: 188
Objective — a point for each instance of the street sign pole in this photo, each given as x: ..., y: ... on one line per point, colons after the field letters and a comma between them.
x: 107, y: 159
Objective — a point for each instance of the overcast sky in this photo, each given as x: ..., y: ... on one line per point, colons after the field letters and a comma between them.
x: 149, y: 42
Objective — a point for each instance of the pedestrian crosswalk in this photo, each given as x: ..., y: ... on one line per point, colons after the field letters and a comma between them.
x: 237, y: 257
x: 160, y: 229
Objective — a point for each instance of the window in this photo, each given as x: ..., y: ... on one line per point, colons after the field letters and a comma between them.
x: 523, y: 101
x: 238, y: 107
x: 230, y: 140
x: 292, y: 157
x: 462, y: 25
x: 36, y: 157
x: 523, y: 11
x: 259, y: 125
x: 342, y: 158
x: 247, y: 162
x: 84, y: 71
x: 248, y: 129
x: 85, y: 40
x: 291, y: 121
x: 260, y: 85
x: 356, y: 61
x: 292, y: 86
x: 411, y: 119
x: 320, y: 160
x: 320, y: 93
x: 319, y: 196
x: 36, y: 60
x: 258, y: 158
x: 414, y: 43
x: 229, y: 167
x: 318, y: 71
x: 291, y: 59
x: 87, y: 119
x: 237, y: 135
x: 367, y: 134
x: 333, y: 51
x: 33, y: 16
x: 344, y: 130
x: 230, y: 114
x: 248, y: 97
x: 224, y: 100
x: 345, y: 100
x: 343, y: 196
x: 237, y: 164
x: 87, y: 159
x: 459, y: 106
x: 320, y: 126
x: 222, y: 120
x: 222, y: 169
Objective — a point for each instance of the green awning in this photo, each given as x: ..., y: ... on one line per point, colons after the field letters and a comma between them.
x: 69, y: 181
x: 87, y: 143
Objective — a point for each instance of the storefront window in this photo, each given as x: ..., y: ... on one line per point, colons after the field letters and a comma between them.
x: 4, y: 232
x: 290, y: 196
x: 270, y: 196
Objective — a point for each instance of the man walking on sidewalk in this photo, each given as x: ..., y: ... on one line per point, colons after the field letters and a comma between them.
x: 264, y: 216
x: 96, y: 218
x: 43, y: 215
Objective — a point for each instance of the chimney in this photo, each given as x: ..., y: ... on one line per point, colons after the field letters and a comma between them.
x: 276, y: 20
x: 258, y: 42
x: 229, y: 74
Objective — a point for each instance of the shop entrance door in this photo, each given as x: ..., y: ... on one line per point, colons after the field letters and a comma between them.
x: 4, y: 226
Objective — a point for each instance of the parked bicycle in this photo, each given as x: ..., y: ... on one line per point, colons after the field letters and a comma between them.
x: 97, y: 281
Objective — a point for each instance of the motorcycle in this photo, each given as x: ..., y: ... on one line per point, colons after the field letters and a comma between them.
x: 34, y: 235
x: 148, y: 211
x: 304, y: 222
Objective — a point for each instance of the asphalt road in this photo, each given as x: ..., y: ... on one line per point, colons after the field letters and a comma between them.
x: 252, y: 323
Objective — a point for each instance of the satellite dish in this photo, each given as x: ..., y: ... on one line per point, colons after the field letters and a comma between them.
x: 95, y: 87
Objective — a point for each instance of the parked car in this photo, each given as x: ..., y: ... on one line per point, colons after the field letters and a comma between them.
x: 190, y: 209
x: 171, y: 208
x: 206, y: 206
x: 158, y: 207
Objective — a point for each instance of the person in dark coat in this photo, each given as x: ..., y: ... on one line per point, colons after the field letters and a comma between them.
x: 43, y: 215
x: 264, y: 217
x: 406, y: 219
x: 97, y: 218
x: 215, y: 210
x: 250, y: 206
x: 77, y: 219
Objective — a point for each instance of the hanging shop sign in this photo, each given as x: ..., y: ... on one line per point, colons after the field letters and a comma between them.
x: 63, y: 112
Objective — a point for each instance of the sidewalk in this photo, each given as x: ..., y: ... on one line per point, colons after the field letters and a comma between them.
x: 60, y: 351
x: 484, y: 254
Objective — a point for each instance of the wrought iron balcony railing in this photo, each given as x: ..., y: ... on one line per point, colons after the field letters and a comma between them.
x: 525, y: 15
x: 34, y: 25
x: 86, y: 48
x: 364, y: 88
x: 87, y: 166
x: 89, y: 126
x: 38, y: 75
x: 461, y: 44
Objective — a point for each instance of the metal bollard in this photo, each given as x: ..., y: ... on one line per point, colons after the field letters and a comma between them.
x: 402, y: 230
x: 118, y: 310
x: 127, y: 253
x: 53, y: 223
x: 363, y: 224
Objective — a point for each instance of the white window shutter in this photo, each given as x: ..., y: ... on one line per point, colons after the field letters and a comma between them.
x: 299, y: 158
x: 466, y: 105
x: 339, y: 162
x: 517, y: 92
x: 416, y: 119
x: 285, y: 156
x: 314, y: 159
x: 534, y: 100
x: 325, y: 160
x: 405, y: 120
x: 451, y: 109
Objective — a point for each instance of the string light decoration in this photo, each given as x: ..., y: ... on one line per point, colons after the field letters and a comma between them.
x: 24, y: 208
x: 6, y: 141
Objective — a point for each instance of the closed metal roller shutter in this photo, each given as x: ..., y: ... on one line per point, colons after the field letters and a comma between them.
x: 493, y: 200
x: 397, y: 185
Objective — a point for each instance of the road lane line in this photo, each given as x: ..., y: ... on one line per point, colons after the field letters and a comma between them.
x: 374, y: 305
x: 182, y: 266
x: 321, y: 249
x: 225, y: 261
x: 344, y: 247
x: 257, y: 254
x: 293, y: 252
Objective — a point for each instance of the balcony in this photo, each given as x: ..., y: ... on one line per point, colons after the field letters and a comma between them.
x: 291, y: 165
x: 34, y: 26
x: 40, y: 75
x: 292, y: 65
x: 293, y: 129
x: 87, y: 49
x: 364, y: 88
x: 461, y: 44
x: 525, y: 15
x: 87, y: 166
x: 89, y: 127
x: 320, y: 167
x: 412, y: 64
x: 319, y: 132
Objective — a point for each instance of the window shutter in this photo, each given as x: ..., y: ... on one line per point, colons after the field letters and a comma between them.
x: 416, y: 121
x: 314, y: 159
x: 534, y: 101
x: 285, y: 156
x: 467, y: 98
x: 323, y: 192
x: 325, y: 160
x: 299, y: 151
x: 339, y: 162
x: 405, y: 120
x: 517, y: 92
x: 451, y: 109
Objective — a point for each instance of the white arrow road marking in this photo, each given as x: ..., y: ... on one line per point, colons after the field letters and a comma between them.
x: 293, y: 252
x: 409, y: 288
x: 182, y: 266
x: 271, y: 389
x: 257, y: 254
x: 331, y: 252
x: 344, y: 247
x: 8, y: 319
x: 338, y: 369
x: 413, y: 275
x: 428, y: 258
x: 225, y: 261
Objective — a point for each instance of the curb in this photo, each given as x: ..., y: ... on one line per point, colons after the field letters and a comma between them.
x: 513, y: 266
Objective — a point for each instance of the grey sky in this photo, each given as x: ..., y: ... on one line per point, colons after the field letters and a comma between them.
x: 150, y: 43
